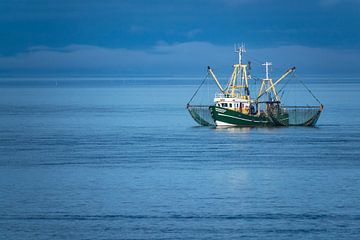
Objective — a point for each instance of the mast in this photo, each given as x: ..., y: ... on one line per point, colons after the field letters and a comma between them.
x: 272, y: 85
x: 240, y: 74
x: 240, y: 49
x: 267, y: 64
x: 267, y: 82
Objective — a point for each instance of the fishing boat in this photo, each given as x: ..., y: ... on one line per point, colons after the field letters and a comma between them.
x: 235, y: 105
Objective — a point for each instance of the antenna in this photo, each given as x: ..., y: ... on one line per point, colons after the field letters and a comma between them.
x: 267, y: 64
x: 240, y: 49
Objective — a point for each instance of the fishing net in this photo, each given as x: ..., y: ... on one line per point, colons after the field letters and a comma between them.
x: 302, y: 115
x: 201, y: 114
x: 199, y: 104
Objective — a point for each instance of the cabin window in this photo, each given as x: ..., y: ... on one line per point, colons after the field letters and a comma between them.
x: 225, y: 105
x: 230, y: 104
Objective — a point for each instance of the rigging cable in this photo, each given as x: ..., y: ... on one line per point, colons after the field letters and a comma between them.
x: 286, y: 83
x: 207, y: 75
x: 277, y: 69
x: 310, y: 92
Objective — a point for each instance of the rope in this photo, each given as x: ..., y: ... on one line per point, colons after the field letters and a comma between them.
x: 286, y: 83
x: 277, y: 69
x: 203, y: 81
x: 310, y: 91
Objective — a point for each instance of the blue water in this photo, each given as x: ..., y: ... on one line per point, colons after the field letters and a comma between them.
x: 126, y: 161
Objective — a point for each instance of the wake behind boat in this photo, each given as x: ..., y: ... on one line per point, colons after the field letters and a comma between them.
x: 235, y: 106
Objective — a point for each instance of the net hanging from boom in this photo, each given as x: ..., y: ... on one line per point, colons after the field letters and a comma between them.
x: 200, y: 111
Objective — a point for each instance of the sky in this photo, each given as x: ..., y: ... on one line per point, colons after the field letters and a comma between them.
x: 176, y: 38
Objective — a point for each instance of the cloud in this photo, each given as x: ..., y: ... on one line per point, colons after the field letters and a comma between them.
x: 333, y: 3
x: 161, y: 58
x: 193, y: 33
x: 329, y: 2
x: 312, y: 60
x: 239, y: 2
x: 137, y: 29
x: 188, y: 58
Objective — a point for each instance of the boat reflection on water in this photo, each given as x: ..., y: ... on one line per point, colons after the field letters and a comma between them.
x: 237, y: 129
x: 232, y: 129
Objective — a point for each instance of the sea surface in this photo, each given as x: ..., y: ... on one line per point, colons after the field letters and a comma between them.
x: 124, y: 160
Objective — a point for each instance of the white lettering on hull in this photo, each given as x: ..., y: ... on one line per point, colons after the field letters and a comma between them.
x: 243, y: 119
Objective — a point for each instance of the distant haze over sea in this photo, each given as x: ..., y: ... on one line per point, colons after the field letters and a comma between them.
x: 181, y: 59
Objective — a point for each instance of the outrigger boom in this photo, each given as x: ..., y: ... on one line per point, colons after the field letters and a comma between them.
x: 272, y: 86
x: 215, y: 79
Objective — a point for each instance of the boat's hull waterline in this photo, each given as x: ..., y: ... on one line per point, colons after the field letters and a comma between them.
x: 227, y: 117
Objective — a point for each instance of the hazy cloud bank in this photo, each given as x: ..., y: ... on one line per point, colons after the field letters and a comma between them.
x: 189, y: 58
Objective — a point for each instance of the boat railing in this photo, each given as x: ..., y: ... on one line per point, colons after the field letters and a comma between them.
x: 303, y: 107
x: 219, y: 95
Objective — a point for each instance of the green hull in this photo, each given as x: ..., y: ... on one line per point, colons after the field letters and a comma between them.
x: 285, y: 116
x: 223, y: 116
